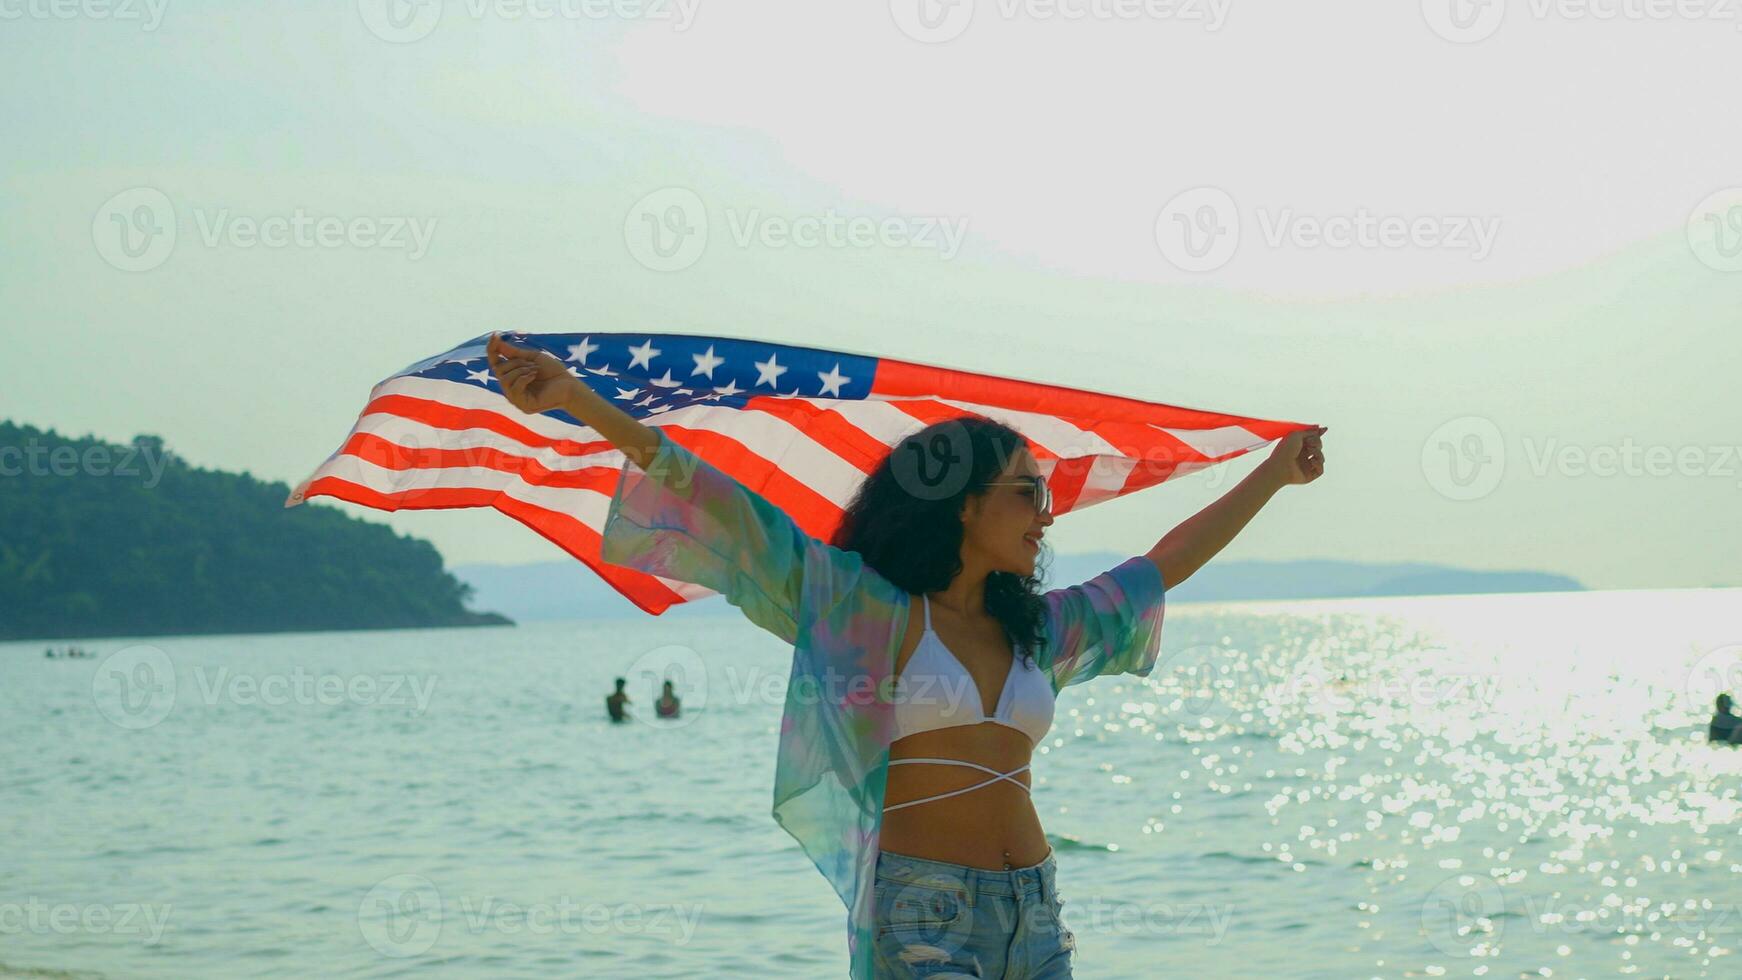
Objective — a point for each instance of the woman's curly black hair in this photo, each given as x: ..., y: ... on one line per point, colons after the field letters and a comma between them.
x: 905, y: 520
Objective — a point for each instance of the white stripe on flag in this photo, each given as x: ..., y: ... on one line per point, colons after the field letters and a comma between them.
x: 1052, y: 433
x: 1106, y: 477
x: 416, y: 434
x: 1218, y: 442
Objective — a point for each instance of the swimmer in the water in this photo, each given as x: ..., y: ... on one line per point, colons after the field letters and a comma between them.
x: 614, y: 702
x: 1725, y: 726
x: 667, y: 705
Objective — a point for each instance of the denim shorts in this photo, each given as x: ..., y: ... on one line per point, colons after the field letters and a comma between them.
x: 936, y: 919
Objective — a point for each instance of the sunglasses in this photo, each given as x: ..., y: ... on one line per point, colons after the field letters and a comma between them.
x: 1042, y: 495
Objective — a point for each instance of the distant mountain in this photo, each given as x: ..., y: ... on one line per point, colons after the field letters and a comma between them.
x: 1324, y: 579
x: 569, y: 590
x: 99, y: 539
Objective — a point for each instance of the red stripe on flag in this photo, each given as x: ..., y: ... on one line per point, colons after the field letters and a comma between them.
x: 905, y: 379
x: 441, y: 415
x: 816, y: 514
x: 827, y: 427
x: 387, y: 454
x: 567, y: 533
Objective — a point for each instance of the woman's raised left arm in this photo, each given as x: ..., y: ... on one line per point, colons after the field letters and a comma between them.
x: 1297, y: 459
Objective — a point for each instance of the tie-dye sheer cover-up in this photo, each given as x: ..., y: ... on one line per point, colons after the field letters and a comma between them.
x: 682, y: 518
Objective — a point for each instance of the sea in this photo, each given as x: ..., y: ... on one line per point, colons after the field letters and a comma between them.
x: 1465, y: 786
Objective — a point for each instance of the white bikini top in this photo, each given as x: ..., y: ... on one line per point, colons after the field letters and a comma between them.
x: 935, y: 691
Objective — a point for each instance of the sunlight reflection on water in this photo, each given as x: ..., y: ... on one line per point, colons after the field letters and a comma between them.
x: 1464, y: 786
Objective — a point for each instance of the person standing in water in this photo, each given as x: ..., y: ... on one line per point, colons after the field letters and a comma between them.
x: 1725, y: 726
x: 614, y: 702
x: 938, y: 588
x: 667, y: 705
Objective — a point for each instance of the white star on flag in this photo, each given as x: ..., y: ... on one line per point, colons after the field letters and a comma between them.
x: 643, y: 355
x: 833, y: 381
x: 583, y: 350
x: 768, y: 372
x: 707, y: 362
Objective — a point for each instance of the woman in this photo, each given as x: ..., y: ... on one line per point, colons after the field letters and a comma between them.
x: 667, y: 705
x: 906, y: 736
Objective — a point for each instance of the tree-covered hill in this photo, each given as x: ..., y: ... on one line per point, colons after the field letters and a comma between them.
x: 98, y: 539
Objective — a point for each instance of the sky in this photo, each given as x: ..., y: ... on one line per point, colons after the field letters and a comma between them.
x: 1497, y: 249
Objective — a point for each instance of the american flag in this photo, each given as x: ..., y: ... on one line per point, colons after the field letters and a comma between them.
x: 801, y: 426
